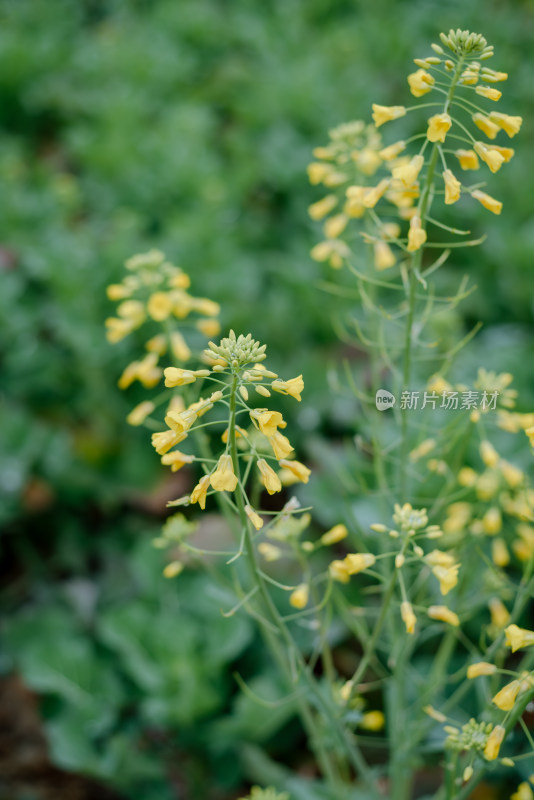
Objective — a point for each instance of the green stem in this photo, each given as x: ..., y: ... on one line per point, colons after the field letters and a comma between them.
x: 283, y: 657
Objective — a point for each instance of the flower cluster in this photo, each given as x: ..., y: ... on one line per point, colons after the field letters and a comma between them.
x: 236, y: 368
x: 154, y: 295
x: 456, y: 72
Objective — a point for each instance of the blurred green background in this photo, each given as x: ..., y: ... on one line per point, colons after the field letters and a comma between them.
x: 185, y: 125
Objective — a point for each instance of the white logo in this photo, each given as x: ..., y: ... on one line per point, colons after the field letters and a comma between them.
x: 384, y: 400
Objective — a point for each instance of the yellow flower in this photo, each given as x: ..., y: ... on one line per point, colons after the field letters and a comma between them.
x: 254, y: 517
x: 358, y: 562
x: 506, y: 152
x: 209, y: 327
x: 490, y: 94
x: 438, y: 126
x: 339, y: 571
x: 159, y: 306
x: 224, y: 479
x: 447, y: 577
x: 300, y: 596
x: 175, y: 376
x: 138, y: 414
x: 162, y: 442
x: 517, y: 638
x: 292, y: 387
x: 268, y: 477
x: 444, y: 614
x: 198, y: 495
x: 510, y: 125
x: 267, y: 421
x: 495, y: 206
x: 408, y: 617
x: 420, y: 82
x: 280, y: 444
x: 181, y: 421
x: 486, y: 125
x: 490, y: 155
x: 488, y: 454
x: 382, y: 114
x: 179, y: 347
x: 373, y: 721
x: 499, y: 553
x: 530, y: 433
x: 270, y: 552
x: 332, y: 250
x: 133, y: 311
x: 452, y: 187
x: 367, y: 160
x: 493, y: 745
x: 334, y: 535
x: 392, y: 150
x: 317, y: 172
x: 505, y: 699
x: 467, y: 158
x: 416, y: 234
x: 117, y: 291
x: 407, y: 173
x: 492, y: 521
x: 298, y: 470
x: 334, y: 226
x: 321, y: 208
x: 176, y: 460
x: 383, y: 256
x: 157, y: 344
x: 500, y: 615
x: 480, y: 668
x: 524, y: 792
x: 467, y: 476
x: 373, y: 195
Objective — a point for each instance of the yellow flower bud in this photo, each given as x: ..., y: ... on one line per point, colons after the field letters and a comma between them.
x: 499, y: 553
x: 179, y: 347
x: 444, y: 614
x: 492, y: 521
x: 334, y: 535
x: 408, y: 617
x: 254, y: 517
x: 173, y: 569
x: 373, y: 721
x: 300, y: 596
x: 500, y: 615
x: 334, y: 226
x: 358, y: 562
